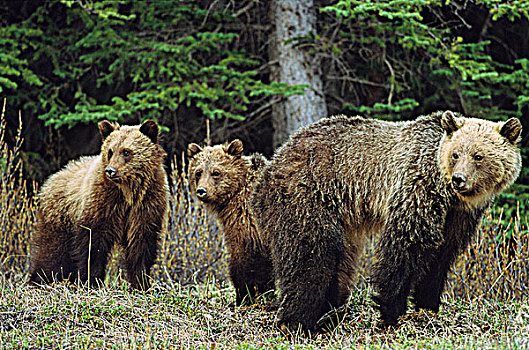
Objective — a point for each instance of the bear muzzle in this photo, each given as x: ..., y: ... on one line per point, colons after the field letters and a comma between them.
x: 461, y: 184
x: 202, y: 193
x: 111, y: 172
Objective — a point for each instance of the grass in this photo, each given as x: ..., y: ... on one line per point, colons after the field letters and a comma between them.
x: 17, y: 204
x: 201, y: 316
x: 486, y: 303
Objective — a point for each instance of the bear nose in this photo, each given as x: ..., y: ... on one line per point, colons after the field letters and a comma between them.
x: 201, y: 192
x: 110, y: 171
x: 459, y: 180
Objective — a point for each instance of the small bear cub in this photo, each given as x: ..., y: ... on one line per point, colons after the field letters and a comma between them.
x: 120, y: 196
x: 222, y: 178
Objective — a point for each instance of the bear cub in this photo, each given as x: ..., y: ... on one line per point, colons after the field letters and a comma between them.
x: 120, y: 196
x: 222, y: 178
x: 422, y: 186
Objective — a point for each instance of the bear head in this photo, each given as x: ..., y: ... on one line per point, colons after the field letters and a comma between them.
x: 130, y: 153
x: 216, y: 173
x: 479, y: 158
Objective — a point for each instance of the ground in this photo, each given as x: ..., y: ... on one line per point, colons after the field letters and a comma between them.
x: 200, y: 315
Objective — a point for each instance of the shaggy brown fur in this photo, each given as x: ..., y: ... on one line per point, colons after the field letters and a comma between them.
x: 223, y: 179
x: 423, y: 185
x: 120, y: 196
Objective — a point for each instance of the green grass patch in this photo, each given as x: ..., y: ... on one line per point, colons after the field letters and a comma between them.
x: 203, y: 316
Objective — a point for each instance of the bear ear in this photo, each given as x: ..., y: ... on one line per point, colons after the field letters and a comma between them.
x: 193, y: 149
x: 258, y: 161
x: 511, y: 130
x: 450, y: 123
x: 105, y: 128
x: 235, y: 148
x: 150, y: 129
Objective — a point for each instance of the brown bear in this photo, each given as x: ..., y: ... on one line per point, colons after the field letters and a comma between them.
x: 222, y: 178
x: 120, y: 196
x: 423, y: 185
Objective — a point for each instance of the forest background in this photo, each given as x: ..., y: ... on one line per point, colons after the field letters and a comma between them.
x: 256, y: 69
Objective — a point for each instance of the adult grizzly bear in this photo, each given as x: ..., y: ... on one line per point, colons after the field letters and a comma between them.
x: 424, y: 185
x: 222, y: 178
x: 120, y: 196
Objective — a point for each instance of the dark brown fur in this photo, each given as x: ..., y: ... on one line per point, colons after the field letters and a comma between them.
x: 337, y: 181
x: 223, y: 179
x: 118, y: 197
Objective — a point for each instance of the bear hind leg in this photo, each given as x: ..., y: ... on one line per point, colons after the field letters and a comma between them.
x: 50, y: 258
x: 307, y: 274
x: 251, y: 275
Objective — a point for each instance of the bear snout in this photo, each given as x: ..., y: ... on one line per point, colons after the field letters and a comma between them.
x: 459, y: 181
x: 201, y: 192
x: 110, y: 172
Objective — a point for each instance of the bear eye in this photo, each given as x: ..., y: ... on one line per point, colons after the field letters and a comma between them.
x: 110, y: 153
x: 198, y: 174
x: 455, y: 155
x: 125, y: 153
x: 477, y: 157
x: 216, y: 173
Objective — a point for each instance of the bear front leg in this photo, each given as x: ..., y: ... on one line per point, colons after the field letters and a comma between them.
x: 245, y: 291
x: 392, y: 282
x: 427, y: 293
x: 141, y: 248
x: 404, y: 252
x: 460, y: 227
x: 264, y: 274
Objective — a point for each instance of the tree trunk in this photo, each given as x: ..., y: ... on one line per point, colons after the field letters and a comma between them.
x: 292, y: 64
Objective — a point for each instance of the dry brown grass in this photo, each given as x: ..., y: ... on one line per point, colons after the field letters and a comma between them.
x: 17, y: 204
x: 496, y: 264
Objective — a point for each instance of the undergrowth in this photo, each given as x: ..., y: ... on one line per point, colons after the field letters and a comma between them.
x: 193, y: 249
x: 17, y: 205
